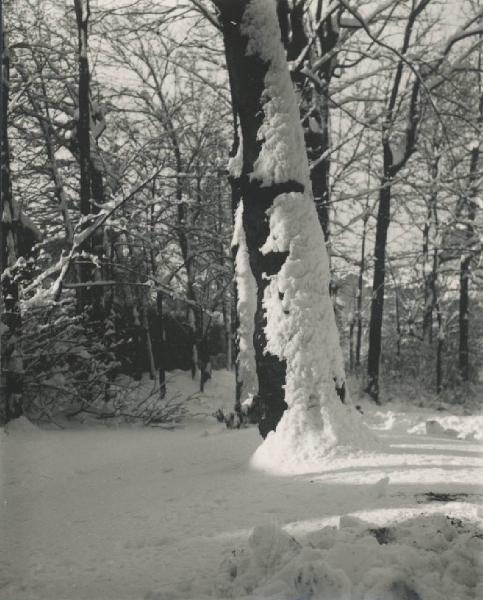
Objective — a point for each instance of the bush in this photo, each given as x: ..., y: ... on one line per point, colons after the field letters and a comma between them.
x: 66, y: 357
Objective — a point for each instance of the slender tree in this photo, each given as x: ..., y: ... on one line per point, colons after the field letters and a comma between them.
x: 394, y: 159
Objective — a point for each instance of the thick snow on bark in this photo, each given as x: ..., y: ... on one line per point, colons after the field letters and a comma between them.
x: 282, y: 156
x: 246, y: 306
x: 301, y: 324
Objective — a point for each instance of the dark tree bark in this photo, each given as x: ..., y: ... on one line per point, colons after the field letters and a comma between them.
x: 351, y: 344
x: 463, y: 354
x: 161, y: 350
x: 360, y: 286
x: 428, y: 306
x: 319, y: 149
x: 83, y: 120
x: 149, y: 344
x: 429, y: 273
x: 439, y: 350
x: 398, y: 320
x: 377, y: 304
x: 83, y: 138
x: 98, y: 198
x: 159, y: 332
x: 247, y: 81
x: 92, y: 193
x: 435, y: 307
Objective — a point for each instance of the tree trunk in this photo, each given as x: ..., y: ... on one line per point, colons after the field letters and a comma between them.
x: 390, y: 168
x: 297, y: 350
x: 351, y: 345
x: 235, y: 321
x: 463, y: 319
x: 247, y: 74
x: 83, y: 137
x: 430, y: 272
x: 3, y: 199
x: 98, y: 199
x: 149, y: 345
x: 183, y: 216
x: 428, y: 304
x: 360, y: 289
x: 377, y: 305
x: 435, y: 303
x: 398, y: 321
x: 83, y: 120
x: 320, y: 173
x: 162, y: 350
x: 439, y: 350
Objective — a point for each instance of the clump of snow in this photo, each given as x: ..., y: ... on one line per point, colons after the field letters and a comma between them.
x: 21, y: 425
x: 301, y: 326
x: 282, y: 156
x: 235, y: 163
x: 431, y: 557
x: 428, y: 415
x: 246, y: 306
x: 453, y: 426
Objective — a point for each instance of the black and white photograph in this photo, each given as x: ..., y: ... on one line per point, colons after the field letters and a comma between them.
x: 241, y: 300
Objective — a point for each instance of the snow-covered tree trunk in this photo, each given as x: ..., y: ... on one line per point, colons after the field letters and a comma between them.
x: 297, y: 351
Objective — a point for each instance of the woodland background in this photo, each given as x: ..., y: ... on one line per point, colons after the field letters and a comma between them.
x: 117, y: 208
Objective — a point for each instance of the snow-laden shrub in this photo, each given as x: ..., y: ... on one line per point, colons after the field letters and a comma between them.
x: 70, y: 368
x: 67, y: 362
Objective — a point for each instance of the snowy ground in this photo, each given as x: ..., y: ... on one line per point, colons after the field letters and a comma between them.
x: 145, y: 513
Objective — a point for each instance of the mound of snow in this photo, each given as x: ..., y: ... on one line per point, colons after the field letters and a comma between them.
x: 455, y: 426
x: 424, y: 558
x: 306, y: 440
x: 21, y: 425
